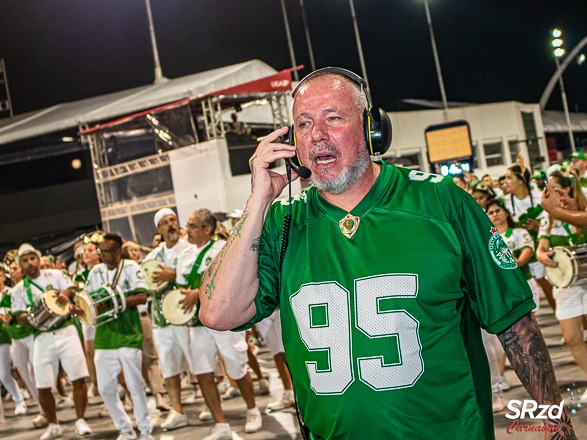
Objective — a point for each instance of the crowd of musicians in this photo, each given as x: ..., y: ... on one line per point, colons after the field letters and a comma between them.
x: 550, y: 252
x: 117, y: 321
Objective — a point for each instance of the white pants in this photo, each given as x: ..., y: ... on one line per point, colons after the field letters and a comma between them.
x: 232, y: 346
x: 108, y: 365
x: 5, y: 377
x: 494, y: 350
x: 54, y: 347
x: 23, y: 361
x: 270, y: 331
x: 172, y: 343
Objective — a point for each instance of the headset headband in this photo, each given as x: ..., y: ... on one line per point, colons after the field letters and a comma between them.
x: 351, y: 76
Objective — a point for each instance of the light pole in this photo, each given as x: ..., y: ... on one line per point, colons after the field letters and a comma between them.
x: 158, y: 71
x: 359, y: 46
x: 292, y: 54
x: 557, y: 43
x: 310, y: 51
x: 437, y: 62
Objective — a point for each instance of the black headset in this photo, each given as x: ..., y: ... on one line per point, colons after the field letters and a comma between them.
x: 377, y: 125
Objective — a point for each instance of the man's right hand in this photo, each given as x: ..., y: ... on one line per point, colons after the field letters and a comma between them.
x: 545, y: 257
x: 266, y: 184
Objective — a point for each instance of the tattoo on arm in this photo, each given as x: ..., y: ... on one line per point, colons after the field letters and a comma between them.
x: 256, y: 244
x: 527, y: 352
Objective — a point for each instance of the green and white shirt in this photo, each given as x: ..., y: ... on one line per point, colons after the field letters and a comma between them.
x: 24, y: 297
x: 5, y: 336
x: 125, y: 331
x: 188, y: 258
x: 382, y: 330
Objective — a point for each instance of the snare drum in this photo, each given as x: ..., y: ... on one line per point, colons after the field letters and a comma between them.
x: 47, y: 312
x: 148, y: 268
x: 90, y: 302
x: 172, y: 310
x: 572, y: 266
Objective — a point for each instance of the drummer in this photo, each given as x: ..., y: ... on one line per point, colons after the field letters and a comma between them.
x: 232, y: 346
x: 571, y: 302
x: 172, y: 342
x: 59, y: 344
x: 118, y: 343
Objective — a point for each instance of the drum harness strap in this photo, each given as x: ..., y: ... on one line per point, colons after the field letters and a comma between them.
x: 27, y: 285
x: 116, y: 275
x: 193, y: 278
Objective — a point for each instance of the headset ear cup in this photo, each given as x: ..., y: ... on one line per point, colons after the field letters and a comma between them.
x: 379, y: 132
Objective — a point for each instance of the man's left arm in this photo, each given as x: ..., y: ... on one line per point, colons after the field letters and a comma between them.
x: 529, y: 357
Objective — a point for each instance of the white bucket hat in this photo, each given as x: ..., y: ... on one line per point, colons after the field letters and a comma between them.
x: 24, y: 249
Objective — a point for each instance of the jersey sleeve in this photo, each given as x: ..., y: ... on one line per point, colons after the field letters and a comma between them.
x: 63, y: 280
x: 19, y: 300
x: 135, y: 276
x: 494, y: 285
x: 524, y: 240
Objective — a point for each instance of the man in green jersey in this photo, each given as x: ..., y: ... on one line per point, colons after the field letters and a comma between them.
x: 388, y: 276
x: 118, y: 343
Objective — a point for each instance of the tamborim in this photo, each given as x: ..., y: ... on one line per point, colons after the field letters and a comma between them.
x: 172, y: 310
x: 47, y: 312
x: 114, y: 303
x: 572, y: 266
x: 148, y: 268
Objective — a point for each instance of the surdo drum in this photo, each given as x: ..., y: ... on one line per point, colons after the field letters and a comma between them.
x: 47, y: 312
x: 572, y: 266
x: 172, y: 310
x: 99, y: 307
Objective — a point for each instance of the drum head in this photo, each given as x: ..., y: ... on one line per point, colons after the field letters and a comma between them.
x: 50, y: 301
x: 85, y: 302
x: 172, y: 309
x: 562, y: 275
x: 148, y: 268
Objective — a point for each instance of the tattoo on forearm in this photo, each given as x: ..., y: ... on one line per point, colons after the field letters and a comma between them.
x: 239, y: 226
x: 527, y: 352
x: 256, y: 244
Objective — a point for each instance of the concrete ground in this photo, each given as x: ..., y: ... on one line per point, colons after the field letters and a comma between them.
x: 283, y: 425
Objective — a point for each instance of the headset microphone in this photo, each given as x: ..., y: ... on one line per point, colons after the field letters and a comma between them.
x: 302, y: 171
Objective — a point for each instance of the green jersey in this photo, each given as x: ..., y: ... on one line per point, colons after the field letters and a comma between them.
x: 126, y: 330
x: 382, y: 330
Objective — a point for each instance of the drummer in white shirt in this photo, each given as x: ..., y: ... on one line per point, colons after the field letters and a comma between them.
x: 59, y: 344
x: 172, y: 342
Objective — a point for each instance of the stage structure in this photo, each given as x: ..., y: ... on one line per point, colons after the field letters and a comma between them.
x: 181, y: 155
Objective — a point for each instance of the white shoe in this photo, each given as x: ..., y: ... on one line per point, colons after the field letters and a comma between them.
x: 503, y: 383
x: 193, y: 396
x: 52, y: 431
x: 127, y: 436
x: 220, y: 432
x: 231, y: 393
x: 498, y: 404
x: 263, y: 387
x: 82, y: 427
x: 40, y: 421
x: 285, y: 401
x: 20, y: 409
x: 174, y: 420
x: 64, y: 402
x: 222, y: 387
x: 25, y: 394
x: 254, y: 421
x: 205, y: 416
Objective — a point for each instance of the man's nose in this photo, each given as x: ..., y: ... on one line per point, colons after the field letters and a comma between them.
x: 319, y: 132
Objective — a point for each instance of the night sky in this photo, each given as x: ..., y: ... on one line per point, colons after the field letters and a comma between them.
x: 63, y: 50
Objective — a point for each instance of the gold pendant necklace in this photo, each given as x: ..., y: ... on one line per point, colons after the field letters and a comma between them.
x: 349, y: 225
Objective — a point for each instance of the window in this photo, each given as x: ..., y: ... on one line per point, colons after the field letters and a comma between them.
x: 493, y: 153
x: 514, y: 145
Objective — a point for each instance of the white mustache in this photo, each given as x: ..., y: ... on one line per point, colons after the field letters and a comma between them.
x: 321, y: 148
